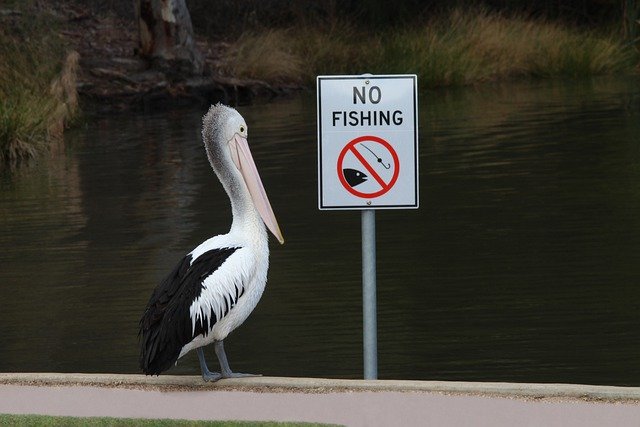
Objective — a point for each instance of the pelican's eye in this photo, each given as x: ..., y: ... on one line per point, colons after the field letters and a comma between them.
x: 242, y: 129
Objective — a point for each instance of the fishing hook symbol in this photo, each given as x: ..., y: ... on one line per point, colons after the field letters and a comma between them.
x: 387, y: 166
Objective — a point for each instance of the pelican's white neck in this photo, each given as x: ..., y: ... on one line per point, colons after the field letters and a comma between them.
x: 246, y: 218
x: 224, y: 133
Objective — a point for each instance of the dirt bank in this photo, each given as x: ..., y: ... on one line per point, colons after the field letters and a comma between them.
x: 113, y: 78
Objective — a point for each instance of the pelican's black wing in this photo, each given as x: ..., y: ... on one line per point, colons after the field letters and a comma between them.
x: 166, y: 326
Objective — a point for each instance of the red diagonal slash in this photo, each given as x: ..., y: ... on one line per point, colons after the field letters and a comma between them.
x: 350, y: 147
x: 366, y: 164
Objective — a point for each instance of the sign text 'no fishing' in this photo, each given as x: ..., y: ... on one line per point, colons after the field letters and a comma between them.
x: 367, y: 142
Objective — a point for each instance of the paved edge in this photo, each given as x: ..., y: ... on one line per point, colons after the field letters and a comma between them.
x: 326, y: 385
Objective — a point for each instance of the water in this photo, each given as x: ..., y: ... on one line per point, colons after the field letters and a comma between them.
x: 522, y: 263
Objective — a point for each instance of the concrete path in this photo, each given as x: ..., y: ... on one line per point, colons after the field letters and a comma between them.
x: 346, y: 402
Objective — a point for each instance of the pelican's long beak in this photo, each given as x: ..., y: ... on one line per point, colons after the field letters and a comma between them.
x: 243, y: 160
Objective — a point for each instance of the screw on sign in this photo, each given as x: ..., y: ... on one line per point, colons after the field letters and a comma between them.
x: 368, y: 157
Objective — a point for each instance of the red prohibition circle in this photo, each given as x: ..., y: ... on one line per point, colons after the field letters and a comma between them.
x: 385, y: 186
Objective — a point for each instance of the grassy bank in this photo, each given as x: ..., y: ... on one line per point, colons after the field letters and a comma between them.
x: 37, y: 85
x: 463, y: 47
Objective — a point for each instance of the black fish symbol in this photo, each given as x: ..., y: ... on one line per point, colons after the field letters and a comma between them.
x: 354, y: 177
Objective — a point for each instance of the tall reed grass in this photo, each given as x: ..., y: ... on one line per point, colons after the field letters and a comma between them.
x: 461, y: 48
x: 37, y: 87
x: 266, y: 56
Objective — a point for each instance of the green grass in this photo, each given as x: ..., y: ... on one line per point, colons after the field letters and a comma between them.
x: 37, y: 87
x: 51, y: 421
x: 461, y: 48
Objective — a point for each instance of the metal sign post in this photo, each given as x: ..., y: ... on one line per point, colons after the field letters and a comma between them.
x: 369, y: 306
x: 367, y: 160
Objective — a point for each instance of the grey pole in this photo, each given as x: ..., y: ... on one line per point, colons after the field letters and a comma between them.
x: 370, y: 327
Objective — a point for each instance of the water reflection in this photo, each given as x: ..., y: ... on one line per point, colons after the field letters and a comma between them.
x: 520, y: 265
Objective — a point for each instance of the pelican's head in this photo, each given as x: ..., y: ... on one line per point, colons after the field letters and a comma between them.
x: 224, y: 132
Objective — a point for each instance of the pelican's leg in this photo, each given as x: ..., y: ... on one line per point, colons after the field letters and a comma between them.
x: 224, y: 364
x: 207, y: 375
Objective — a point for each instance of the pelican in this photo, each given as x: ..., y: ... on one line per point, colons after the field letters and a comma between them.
x: 216, y: 286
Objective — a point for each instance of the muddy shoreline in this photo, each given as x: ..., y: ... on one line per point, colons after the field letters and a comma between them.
x: 112, y: 77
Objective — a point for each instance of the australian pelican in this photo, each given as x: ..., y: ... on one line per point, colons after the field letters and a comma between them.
x: 214, y: 288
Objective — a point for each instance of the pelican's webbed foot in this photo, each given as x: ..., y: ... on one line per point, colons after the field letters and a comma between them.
x: 207, y: 375
x: 224, y: 364
x: 239, y: 375
x: 211, y: 376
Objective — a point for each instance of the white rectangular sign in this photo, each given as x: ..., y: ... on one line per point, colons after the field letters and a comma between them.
x: 367, y: 142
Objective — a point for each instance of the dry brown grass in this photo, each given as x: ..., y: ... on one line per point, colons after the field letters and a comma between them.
x: 266, y: 56
x: 63, y: 90
x: 464, y: 47
x: 37, y: 87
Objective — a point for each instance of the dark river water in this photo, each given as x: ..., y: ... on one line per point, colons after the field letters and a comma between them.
x: 521, y: 264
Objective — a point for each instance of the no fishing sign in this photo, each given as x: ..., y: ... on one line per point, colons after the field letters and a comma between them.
x: 367, y: 142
